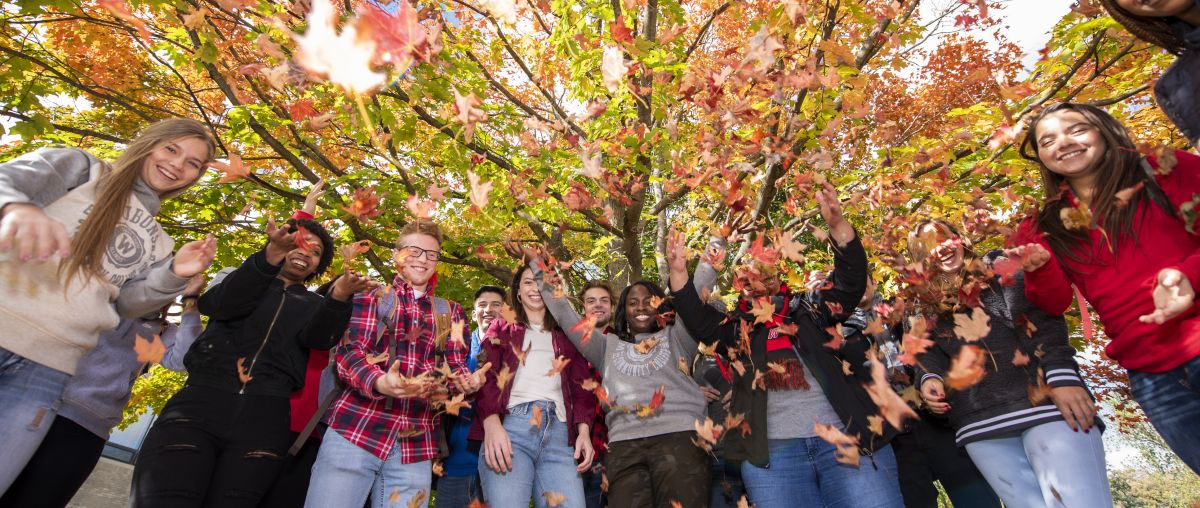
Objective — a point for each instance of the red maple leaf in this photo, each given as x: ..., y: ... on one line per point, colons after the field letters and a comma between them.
x: 620, y: 32
x: 364, y: 206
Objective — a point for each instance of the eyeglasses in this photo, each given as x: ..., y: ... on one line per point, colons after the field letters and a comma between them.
x: 416, y: 252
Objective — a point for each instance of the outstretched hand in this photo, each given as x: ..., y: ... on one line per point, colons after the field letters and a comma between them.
x: 195, y: 257
x: 1032, y: 256
x: 1173, y: 295
x: 676, y: 253
x: 280, y: 241
x: 349, y: 283
x: 831, y: 210
x: 522, y: 252
x: 33, y: 233
x: 314, y: 197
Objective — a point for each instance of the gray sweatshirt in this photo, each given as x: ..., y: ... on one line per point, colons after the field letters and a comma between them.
x: 631, y: 377
x: 43, y: 176
x: 96, y: 395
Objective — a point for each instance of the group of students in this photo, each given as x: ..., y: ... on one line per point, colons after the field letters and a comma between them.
x: 342, y: 396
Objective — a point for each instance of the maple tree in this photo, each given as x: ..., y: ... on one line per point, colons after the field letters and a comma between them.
x: 586, y: 126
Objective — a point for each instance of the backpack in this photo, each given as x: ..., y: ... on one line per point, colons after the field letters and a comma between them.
x: 332, y: 386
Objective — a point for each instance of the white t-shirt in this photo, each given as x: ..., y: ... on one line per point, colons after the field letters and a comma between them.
x: 531, y: 382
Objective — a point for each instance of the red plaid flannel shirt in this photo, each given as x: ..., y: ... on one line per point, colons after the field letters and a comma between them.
x: 358, y: 414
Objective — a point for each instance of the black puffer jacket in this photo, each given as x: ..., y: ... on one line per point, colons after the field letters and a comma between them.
x: 253, y: 317
x: 845, y: 393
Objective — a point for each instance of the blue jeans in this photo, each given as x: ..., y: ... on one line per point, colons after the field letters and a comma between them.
x: 804, y: 472
x: 29, y: 395
x: 543, y: 461
x: 1046, y: 465
x: 1171, y: 401
x: 458, y: 491
x: 725, y: 475
x: 345, y: 474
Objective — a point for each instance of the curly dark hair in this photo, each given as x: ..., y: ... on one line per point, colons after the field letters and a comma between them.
x: 317, y: 229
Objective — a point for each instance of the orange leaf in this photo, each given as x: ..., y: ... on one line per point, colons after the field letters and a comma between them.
x: 232, y: 170
x: 375, y: 359
x: 456, y: 404
x: 351, y: 251
x: 847, y: 446
x: 521, y: 354
x: 554, y: 498
x: 646, y: 345
x: 535, y: 418
x: 656, y: 402
x: 560, y: 363
x: 243, y: 372
x: 972, y: 327
x: 420, y: 208
x: 503, y: 377
x: 1123, y: 196
x: 418, y: 500
x: 915, y: 341
x: 762, y: 309
x: 891, y: 407
x: 149, y: 350
x: 620, y: 32
x: 584, y: 328
x: 1020, y: 359
x: 966, y: 369
x: 364, y: 205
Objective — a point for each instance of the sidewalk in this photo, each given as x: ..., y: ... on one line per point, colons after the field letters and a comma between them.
x: 107, y: 487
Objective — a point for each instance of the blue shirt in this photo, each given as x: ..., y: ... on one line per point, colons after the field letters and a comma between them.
x: 462, y: 461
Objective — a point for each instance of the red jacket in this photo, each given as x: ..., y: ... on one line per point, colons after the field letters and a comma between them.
x: 304, y: 401
x: 498, y: 347
x: 1119, y: 284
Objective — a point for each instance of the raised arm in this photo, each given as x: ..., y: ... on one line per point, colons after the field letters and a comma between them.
x: 591, y: 343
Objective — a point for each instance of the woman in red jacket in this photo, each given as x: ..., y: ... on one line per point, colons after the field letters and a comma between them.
x: 532, y: 413
x: 1120, y: 227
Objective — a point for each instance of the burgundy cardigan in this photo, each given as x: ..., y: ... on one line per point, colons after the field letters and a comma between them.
x: 498, y: 347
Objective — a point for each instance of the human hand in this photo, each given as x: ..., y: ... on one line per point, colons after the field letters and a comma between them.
x: 497, y: 449
x: 194, y: 258
x: 1076, y: 406
x: 280, y: 241
x: 314, y: 197
x: 1032, y: 256
x: 1173, y: 295
x: 33, y: 232
x: 831, y: 210
x: 584, y: 451
x: 710, y: 393
x: 472, y: 382
x: 933, y: 392
x: 350, y: 283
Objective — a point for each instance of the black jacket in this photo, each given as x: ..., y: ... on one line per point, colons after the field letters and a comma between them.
x: 1000, y: 402
x: 253, y: 317
x: 845, y: 394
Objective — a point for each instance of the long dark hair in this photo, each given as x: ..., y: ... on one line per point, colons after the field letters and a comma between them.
x: 514, y: 300
x: 1155, y: 30
x: 621, y: 321
x: 1120, y: 167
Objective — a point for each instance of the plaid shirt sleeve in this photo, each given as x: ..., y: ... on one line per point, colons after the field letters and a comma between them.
x: 351, y: 357
x: 457, y: 351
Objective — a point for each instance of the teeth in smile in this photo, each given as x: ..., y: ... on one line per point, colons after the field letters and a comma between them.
x: 1070, y: 155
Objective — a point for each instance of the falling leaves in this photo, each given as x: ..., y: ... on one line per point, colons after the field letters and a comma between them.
x: 1123, y: 196
x: 647, y: 344
x: 972, y: 327
x: 708, y: 434
x: 966, y: 368
x: 343, y: 58
x: 504, y: 11
x: 243, y: 372
x: 503, y: 377
x: 467, y: 112
x: 418, y: 500
x: 1020, y: 359
x: 763, y: 310
x: 456, y: 404
x: 847, y: 446
x: 891, y: 407
x: 554, y: 498
x: 560, y: 363
x: 233, y: 170
x: 420, y: 208
x: 1076, y: 217
x: 915, y: 341
x: 613, y: 68
x: 535, y: 417
x: 656, y: 402
x: 479, y: 191
x: 762, y: 47
x: 584, y: 329
x: 149, y: 350
x: 364, y: 205
x: 120, y: 9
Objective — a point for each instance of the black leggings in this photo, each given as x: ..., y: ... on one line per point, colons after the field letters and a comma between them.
x: 212, y: 448
x: 61, y: 464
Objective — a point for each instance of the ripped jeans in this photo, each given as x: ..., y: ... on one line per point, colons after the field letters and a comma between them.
x: 212, y: 448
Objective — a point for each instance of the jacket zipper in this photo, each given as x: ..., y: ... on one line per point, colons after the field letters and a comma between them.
x: 263, y: 344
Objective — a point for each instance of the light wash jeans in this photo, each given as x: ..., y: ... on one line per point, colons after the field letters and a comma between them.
x: 543, y: 461
x: 345, y: 474
x: 1171, y: 401
x: 804, y: 472
x: 1043, y: 466
x: 29, y: 395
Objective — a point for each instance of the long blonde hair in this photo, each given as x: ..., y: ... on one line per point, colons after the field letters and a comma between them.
x: 115, y: 187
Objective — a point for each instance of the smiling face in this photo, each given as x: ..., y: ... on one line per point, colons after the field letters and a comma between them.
x: 417, y: 269
x: 947, y: 252
x: 300, y: 263
x: 487, y: 308
x: 528, y: 294
x: 639, y: 313
x: 1156, y: 8
x: 598, y: 303
x: 1069, y: 145
x: 174, y: 164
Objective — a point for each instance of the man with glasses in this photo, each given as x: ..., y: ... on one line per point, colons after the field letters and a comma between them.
x: 383, y: 434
